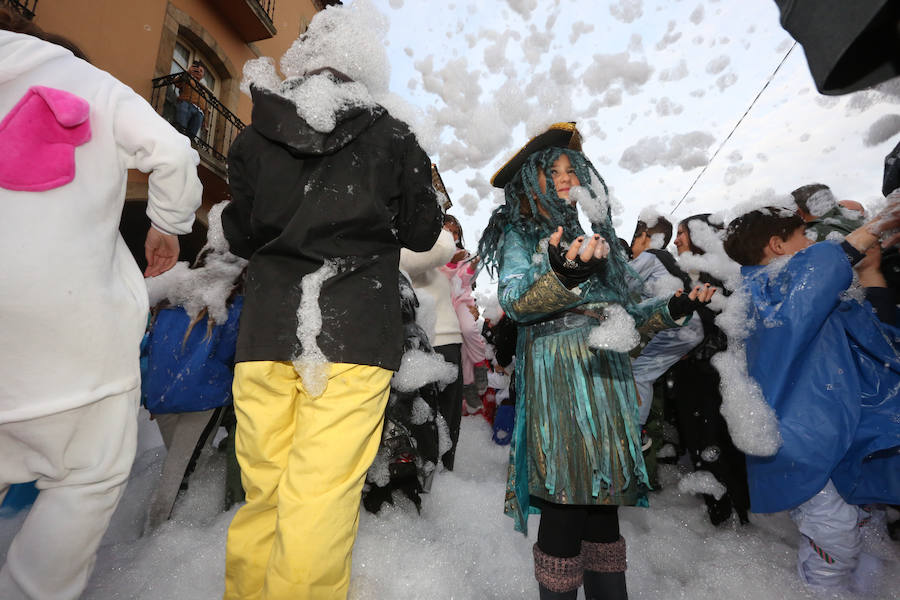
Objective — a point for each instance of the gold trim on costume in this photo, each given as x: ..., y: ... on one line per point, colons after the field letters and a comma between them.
x: 547, y: 295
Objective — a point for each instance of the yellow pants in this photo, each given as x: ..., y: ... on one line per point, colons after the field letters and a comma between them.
x: 303, y: 463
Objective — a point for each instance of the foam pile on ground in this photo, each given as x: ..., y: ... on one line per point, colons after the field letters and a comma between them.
x: 462, y: 545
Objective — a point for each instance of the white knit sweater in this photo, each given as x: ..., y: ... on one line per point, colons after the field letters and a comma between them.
x: 424, y: 272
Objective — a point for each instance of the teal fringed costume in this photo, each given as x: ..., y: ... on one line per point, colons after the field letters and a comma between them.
x: 576, y: 438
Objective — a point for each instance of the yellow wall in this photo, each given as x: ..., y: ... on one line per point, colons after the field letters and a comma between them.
x: 123, y: 36
x: 123, y: 41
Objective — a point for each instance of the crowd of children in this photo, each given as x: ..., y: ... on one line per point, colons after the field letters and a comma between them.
x: 591, y: 348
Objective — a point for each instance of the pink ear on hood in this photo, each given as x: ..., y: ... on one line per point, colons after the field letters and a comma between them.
x: 38, y: 139
x: 69, y: 109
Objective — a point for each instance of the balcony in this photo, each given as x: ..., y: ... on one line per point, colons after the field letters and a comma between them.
x: 219, y: 127
x: 24, y: 7
x: 254, y: 20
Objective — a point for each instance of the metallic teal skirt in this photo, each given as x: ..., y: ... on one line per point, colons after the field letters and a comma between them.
x: 576, y: 438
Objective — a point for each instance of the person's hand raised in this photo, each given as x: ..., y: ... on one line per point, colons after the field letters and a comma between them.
x: 580, y: 260
x: 681, y: 305
x: 887, y: 221
x: 459, y: 255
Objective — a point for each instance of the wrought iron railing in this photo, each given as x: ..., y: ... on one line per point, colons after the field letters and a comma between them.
x: 25, y: 7
x: 219, y: 127
x: 268, y: 7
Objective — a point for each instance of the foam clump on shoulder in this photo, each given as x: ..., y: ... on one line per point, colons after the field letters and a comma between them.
x: 349, y: 39
x: 321, y: 98
x: 260, y: 72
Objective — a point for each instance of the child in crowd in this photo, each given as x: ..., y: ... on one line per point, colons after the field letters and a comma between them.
x: 433, y: 289
x: 831, y: 371
x: 190, y: 370
x: 702, y: 431
x: 73, y: 306
x: 659, y: 275
x: 460, y: 271
x: 410, y: 441
x: 500, y: 334
x: 823, y: 213
x: 575, y: 454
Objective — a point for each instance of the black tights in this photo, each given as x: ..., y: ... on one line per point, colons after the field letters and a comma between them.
x: 563, y: 527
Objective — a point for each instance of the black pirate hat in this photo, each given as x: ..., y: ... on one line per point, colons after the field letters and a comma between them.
x: 559, y: 135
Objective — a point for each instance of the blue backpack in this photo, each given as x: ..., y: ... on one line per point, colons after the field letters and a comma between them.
x: 189, y: 375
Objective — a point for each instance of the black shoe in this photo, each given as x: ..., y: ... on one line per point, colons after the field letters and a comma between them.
x: 719, y: 510
x: 604, y: 586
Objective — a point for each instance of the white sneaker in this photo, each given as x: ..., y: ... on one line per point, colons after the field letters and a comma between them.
x: 646, y: 440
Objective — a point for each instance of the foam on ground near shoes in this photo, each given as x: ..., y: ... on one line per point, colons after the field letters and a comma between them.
x: 461, y: 546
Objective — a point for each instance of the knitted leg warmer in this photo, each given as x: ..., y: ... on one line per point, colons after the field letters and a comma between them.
x: 604, y: 570
x: 557, y: 574
x: 604, y: 557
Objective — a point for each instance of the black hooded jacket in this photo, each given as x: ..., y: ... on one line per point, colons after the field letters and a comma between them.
x: 354, y: 195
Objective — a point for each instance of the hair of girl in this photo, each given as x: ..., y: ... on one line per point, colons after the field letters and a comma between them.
x: 526, y: 204
x: 704, y: 218
x: 455, y: 221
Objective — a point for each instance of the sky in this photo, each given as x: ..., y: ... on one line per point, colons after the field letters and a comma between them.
x: 656, y: 87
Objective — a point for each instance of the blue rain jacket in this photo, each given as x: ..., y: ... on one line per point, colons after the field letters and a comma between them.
x: 831, y: 371
x: 194, y: 375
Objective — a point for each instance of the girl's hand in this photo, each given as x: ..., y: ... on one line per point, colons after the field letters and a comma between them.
x: 596, y: 247
x: 702, y: 293
x: 580, y: 260
x: 681, y: 305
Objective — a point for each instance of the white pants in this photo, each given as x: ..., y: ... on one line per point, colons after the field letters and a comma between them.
x: 831, y: 544
x: 81, y: 459
x: 664, y: 350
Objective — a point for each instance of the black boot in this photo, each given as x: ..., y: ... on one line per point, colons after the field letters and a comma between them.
x: 604, y: 586
x: 558, y: 578
x: 604, y: 570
